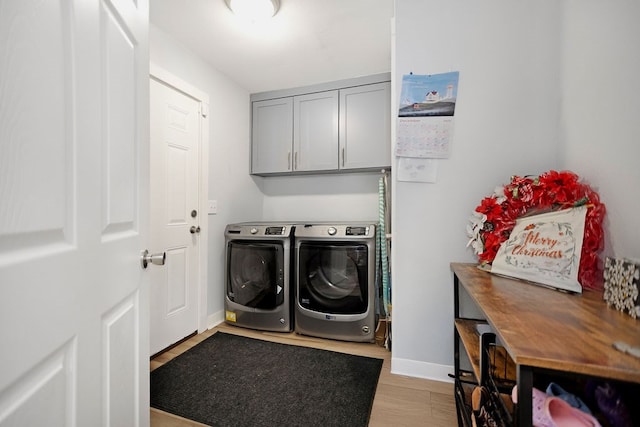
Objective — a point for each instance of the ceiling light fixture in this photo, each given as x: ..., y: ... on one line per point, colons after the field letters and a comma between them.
x: 254, y: 10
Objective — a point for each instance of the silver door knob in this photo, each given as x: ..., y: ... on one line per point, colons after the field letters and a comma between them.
x: 194, y: 229
x: 158, y: 259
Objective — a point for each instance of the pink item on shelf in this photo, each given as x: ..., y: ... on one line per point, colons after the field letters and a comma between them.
x: 550, y: 411
x: 562, y: 414
x: 538, y: 399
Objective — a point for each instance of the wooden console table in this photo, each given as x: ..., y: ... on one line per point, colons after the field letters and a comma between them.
x: 544, y: 332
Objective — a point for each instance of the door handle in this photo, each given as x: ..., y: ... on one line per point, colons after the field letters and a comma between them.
x: 146, y: 258
x: 194, y: 229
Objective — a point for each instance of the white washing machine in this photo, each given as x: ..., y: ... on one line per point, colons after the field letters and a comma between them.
x: 335, y: 280
x: 257, y: 276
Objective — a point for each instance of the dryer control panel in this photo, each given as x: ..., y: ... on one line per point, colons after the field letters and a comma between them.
x: 274, y: 231
x: 357, y: 231
x: 349, y: 231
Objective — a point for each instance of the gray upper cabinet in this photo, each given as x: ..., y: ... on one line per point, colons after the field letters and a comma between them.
x: 365, y: 126
x: 315, y: 132
x: 340, y: 126
x: 272, y: 127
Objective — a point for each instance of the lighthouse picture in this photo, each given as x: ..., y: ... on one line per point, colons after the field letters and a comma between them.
x: 428, y: 95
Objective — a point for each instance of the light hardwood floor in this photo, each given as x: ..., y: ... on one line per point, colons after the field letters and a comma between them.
x: 399, y: 401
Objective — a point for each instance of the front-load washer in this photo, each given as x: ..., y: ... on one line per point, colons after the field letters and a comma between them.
x: 257, y: 276
x: 335, y: 281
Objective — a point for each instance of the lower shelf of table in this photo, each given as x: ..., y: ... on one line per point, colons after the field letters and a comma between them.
x: 498, y: 406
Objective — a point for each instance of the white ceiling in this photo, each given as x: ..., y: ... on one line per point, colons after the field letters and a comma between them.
x: 307, y: 42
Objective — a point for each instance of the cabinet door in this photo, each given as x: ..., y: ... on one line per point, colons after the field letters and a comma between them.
x: 272, y: 136
x: 365, y: 126
x: 315, y: 131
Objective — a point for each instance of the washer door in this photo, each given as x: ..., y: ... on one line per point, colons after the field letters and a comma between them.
x: 255, y: 274
x: 333, y: 277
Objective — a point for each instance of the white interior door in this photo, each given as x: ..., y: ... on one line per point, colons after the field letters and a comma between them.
x: 73, y: 213
x: 176, y: 219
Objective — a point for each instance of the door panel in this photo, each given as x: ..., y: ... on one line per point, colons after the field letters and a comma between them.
x: 177, y: 297
x: 30, y: 152
x: 177, y: 158
x: 118, y: 98
x: 47, y: 388
x: 74, y: 191
x: 121, y: 334
x: 175, y: 148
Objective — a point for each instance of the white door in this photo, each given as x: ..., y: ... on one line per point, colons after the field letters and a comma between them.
x: 176, y: 220
x: 73, y: 213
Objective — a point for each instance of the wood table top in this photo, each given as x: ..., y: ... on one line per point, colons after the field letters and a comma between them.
x: 547, y: 328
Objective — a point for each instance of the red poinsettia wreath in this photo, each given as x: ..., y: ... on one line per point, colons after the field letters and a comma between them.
x: 495, y: 217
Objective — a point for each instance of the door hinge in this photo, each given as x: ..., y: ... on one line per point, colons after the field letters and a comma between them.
x: 204, y: 109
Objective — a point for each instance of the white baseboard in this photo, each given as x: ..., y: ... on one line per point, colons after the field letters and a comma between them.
x: 413, y: 368
x: 215, y: 319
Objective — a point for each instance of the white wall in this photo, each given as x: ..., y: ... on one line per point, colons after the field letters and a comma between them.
x: 239, y: 198
x: 506, y: 123
x: 345, y: 197
x: 542, y: 85
x: 601, y: 111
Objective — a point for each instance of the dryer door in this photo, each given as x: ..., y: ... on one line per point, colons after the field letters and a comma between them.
x: 333, y: 278
x: 255, y: 274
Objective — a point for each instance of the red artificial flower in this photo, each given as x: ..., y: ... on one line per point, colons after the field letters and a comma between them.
x: 490, y: 207
x: 551, y: 190
x: 561, y: 187
x: 492, y: 244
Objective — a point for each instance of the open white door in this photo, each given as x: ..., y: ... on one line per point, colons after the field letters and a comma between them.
x: 73, y: 213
